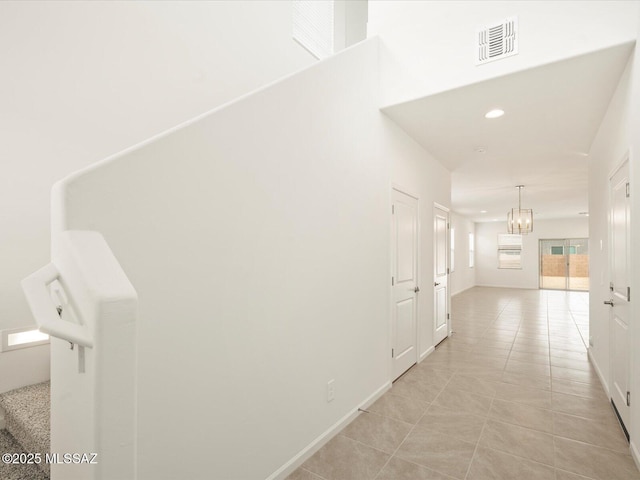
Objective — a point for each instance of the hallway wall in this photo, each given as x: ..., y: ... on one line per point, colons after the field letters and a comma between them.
x: 607, y: 152
x: 487, y: 271
x: 417, y: 172
x: 84, y: 80
x: 261, y: 255
x: 462, y: 277
x: 634, y: 147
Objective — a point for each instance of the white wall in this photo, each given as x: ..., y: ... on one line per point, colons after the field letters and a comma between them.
x: 83, y: 80
x: 418, y: 173
x: 607, y: 151
x: 429, y: 47
x: 634, y: 147
x: 487, y: 271
x: 617, y: 137
x: 257, y: 238
x: 463, y: 276
x: 350, y: 22
x: 25, y: 366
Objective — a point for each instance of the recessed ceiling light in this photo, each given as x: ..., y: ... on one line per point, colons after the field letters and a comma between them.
x: 495, y: 113
x: 586, y: 214
x: 483, y: 211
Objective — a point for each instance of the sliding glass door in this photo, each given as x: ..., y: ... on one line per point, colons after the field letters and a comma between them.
x: 564, y: 264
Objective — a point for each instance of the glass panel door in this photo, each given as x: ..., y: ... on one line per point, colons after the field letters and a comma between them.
x: 564, y: 264
x: 578, y: 256
x: 553, y: 264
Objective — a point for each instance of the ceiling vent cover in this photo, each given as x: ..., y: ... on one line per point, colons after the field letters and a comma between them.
x: 497, y: 41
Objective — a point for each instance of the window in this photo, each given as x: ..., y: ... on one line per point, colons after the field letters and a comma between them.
x: 561, y: 250
x: 453, y: 249
x: 21, y: 338
x: 472, y: 250
x: 509, y: 251
x: 313, y: 26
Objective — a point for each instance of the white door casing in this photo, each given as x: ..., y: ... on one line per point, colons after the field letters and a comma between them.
x: 440, y: 274
x: 619, y: 271
x: 404, y: 268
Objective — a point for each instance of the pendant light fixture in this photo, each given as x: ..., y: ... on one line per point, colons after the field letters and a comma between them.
x: 520, y: 220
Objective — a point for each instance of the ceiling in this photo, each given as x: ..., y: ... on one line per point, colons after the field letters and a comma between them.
x: 552, y: 114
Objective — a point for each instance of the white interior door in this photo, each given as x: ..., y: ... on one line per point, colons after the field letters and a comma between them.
x: 441, y: 275
x: 404, y: 282
x: 619, y: 268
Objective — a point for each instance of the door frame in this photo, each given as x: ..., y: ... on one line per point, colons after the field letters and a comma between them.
x: 410, y: 193
x: 626, y: 159
x: 448, y: 253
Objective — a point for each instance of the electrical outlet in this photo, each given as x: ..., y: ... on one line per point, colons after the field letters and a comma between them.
x: 331, y: 390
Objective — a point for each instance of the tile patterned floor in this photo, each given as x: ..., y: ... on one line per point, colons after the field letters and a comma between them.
x: 560, y: 283
x: 511, y: 395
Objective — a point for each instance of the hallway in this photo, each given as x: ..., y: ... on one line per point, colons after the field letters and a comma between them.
x: 511, y: 395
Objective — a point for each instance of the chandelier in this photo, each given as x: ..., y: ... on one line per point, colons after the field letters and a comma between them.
x: 520, y: 220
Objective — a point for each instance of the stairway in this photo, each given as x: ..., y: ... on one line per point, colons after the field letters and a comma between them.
x: 27, y: 411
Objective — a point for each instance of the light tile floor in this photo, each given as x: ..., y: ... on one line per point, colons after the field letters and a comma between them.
x: 560, y: 283
x: 511, y: 395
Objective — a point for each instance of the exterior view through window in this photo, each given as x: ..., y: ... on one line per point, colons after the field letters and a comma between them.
x: 564, y: 264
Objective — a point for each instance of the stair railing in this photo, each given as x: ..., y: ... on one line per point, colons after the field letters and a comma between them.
x: 48, y: 315
x: 84, y: 300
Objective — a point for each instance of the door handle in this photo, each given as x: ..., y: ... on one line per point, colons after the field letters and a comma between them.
x: 436, y: 284
x: 416, y: 290
x: 609, y: 302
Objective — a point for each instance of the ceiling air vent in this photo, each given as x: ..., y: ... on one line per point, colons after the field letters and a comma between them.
x: 497, y: 41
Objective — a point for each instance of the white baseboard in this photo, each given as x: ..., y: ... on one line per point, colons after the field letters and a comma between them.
x: 508, y: 286
x: 596, y: 367
x: 426, y: 353
x: 320, y: 441
x: 453, y: 294
x: 635, y: 454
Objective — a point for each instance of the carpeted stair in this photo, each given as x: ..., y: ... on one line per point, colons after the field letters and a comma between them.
x: 26, y: 414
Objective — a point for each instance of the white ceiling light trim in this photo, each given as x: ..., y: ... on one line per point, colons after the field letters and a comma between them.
x: 495, y: 113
